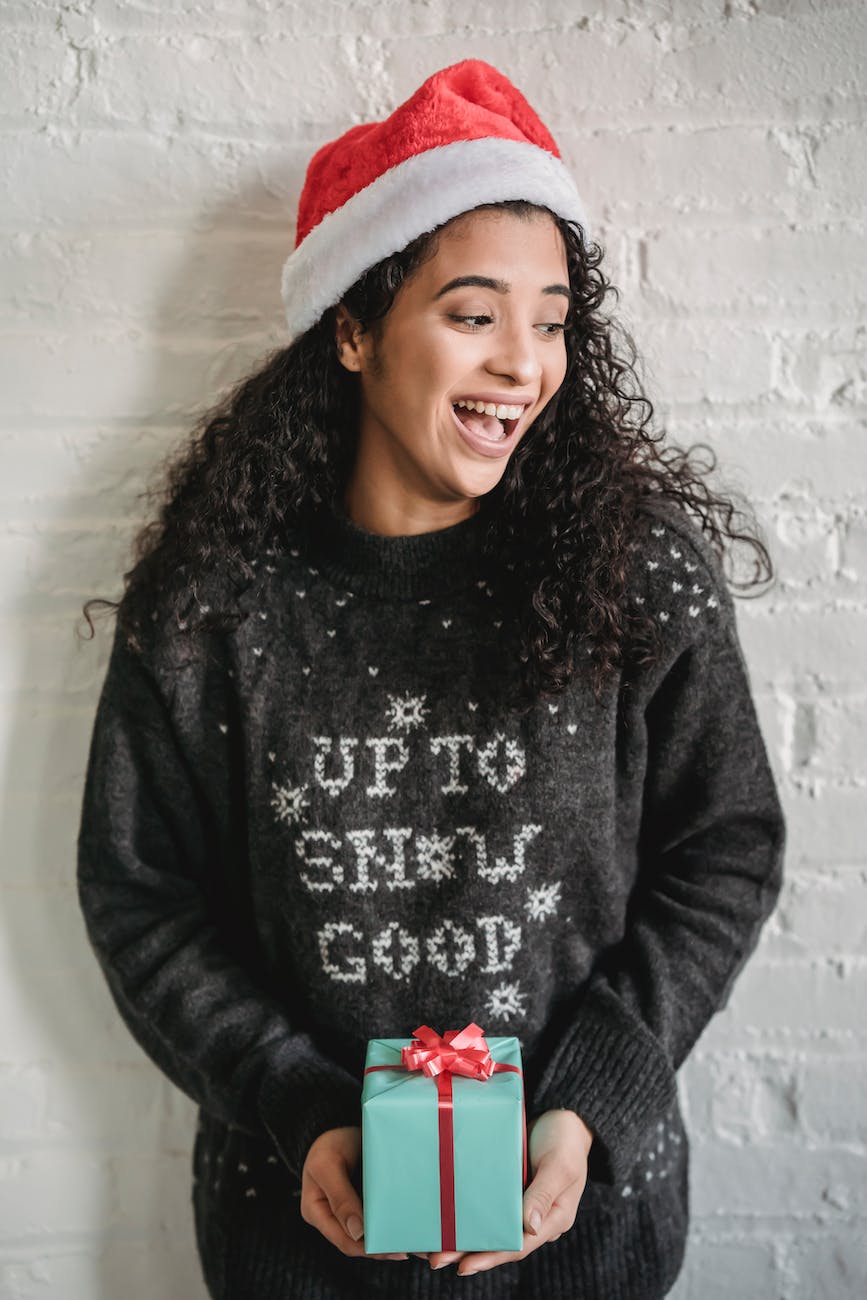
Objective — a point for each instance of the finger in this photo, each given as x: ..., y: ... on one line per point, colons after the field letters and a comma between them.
x: 317, y: 1212
x: 553, y: 1183
x: 320, y: 1216
x: 538, y: 1200
x: 559, y: 1219
x: 481, y: 1262
x: 343, y: 1200
x: 439, y: 1258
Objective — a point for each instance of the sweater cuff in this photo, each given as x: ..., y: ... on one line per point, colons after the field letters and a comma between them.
x: 303, y: 1099
x: 611, y: 1071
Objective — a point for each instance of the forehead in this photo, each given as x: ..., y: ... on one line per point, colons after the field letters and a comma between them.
x: 530, y: 246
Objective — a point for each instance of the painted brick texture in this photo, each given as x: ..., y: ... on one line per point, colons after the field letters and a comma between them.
x: 151, y: 157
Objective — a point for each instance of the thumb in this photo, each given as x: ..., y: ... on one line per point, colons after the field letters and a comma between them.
x: 346, y: 1206
x: 343, y: 1199
x: 542, y: 1192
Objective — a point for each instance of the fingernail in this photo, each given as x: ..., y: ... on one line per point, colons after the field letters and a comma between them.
x: 354, y: 1227
x: 468, y: 1272
x: 535, y: 1220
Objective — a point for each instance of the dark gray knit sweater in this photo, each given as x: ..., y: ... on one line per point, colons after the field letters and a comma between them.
x: 328, y: 829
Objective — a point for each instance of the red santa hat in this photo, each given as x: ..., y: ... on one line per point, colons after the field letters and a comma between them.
x: 467, y: 136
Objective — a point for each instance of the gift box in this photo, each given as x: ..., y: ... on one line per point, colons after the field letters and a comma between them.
x: 443, y: 1142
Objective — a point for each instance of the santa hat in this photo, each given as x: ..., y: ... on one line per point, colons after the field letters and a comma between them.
x: 467, y: 136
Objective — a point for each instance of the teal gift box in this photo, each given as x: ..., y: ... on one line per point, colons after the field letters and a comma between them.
x: 443, y: 1142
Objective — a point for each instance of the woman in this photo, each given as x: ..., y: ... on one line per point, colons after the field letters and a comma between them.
x: 426, y: 705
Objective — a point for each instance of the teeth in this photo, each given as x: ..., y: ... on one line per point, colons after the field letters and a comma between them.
x: 488, y: 408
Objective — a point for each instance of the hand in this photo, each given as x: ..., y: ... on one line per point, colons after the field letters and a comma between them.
x: 558, y: 1146
x: 329, y: 1201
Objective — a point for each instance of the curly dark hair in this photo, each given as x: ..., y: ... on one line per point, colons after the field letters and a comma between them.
x: 574, y: 499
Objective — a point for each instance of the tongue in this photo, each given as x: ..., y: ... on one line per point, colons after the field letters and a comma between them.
x: 487, y: 426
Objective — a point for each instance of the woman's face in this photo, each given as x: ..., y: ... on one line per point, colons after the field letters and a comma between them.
x: 480, y: 322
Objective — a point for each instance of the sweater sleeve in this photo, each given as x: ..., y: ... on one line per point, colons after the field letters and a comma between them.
x: 710, y: 869
x: 149, y: 851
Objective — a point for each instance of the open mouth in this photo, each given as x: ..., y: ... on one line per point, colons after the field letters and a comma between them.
x: 487, y: 420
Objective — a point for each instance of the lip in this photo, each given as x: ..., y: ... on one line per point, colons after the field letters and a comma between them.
x: 494, y: 450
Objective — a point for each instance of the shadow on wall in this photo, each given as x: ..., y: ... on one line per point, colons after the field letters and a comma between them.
x: 107, y: 1194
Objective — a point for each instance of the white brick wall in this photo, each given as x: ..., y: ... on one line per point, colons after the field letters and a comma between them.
x: 152, y: 153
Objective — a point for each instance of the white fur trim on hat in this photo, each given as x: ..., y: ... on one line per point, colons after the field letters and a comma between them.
x: 416, y: 196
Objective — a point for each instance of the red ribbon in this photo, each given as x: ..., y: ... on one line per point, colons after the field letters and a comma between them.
x: 458, y: 1051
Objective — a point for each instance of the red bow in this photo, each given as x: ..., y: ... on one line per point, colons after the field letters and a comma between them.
x: 460, y: 1051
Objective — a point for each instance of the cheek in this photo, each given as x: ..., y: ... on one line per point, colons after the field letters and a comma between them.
x: 421, y: 369
x: 555, y: 371
x: 437, y: 370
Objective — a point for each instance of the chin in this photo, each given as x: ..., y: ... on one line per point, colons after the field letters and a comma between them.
x: 473, y: 489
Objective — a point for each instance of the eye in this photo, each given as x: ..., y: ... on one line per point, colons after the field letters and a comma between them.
x: 552, y: 328
x: 472, y: 322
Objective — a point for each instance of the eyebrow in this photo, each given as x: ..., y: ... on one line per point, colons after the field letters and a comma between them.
x: 499, y: 286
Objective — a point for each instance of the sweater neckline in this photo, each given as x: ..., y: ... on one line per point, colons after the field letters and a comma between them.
x: 404, y: 566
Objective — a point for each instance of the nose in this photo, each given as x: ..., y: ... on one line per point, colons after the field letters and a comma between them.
x: 514, y: 355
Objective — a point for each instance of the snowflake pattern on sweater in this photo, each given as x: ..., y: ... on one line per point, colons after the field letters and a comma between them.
x: 340, y: 862
x: 381, y: 844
